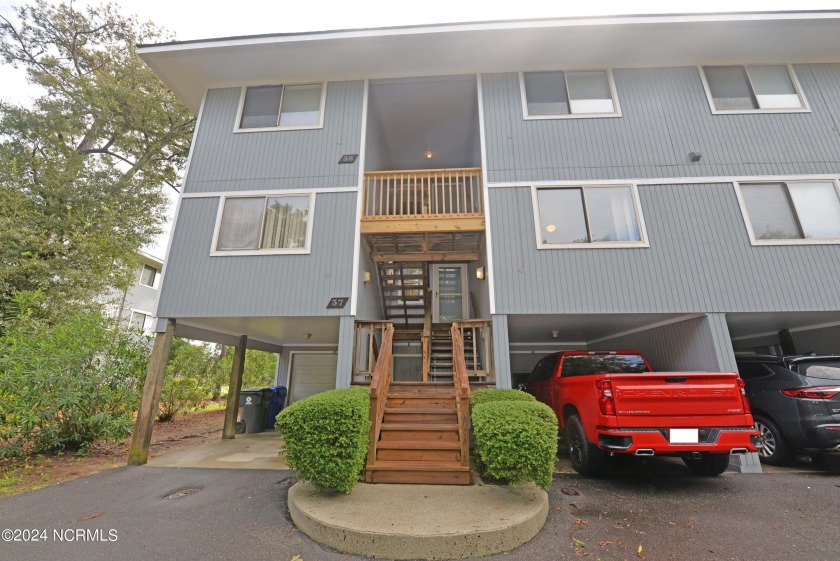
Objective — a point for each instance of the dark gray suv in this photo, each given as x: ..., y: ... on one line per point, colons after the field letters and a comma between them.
x: 795, y: 402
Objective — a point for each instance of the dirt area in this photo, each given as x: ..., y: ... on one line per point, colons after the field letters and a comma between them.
x: 184, y: 431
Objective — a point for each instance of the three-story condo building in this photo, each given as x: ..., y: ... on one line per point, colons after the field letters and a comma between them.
x: 664, y: 183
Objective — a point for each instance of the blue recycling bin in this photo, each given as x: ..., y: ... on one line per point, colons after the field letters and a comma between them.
x: 278, y: 397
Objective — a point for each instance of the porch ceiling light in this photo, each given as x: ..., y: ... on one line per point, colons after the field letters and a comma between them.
x: 429, y: 154
x: 550, y: 228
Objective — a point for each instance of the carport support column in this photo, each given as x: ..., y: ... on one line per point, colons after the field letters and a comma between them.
x: 141, y: 439
x: 501, y: 351
x: 344, y: 364
x: 234, y: 388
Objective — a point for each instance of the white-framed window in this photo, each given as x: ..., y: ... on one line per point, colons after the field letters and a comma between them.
x: 281, y: 107
x: 588, y: 216
x: 149, y: 276
x: 568, y: 94
x: 758, y: 88
x: 791, y: 212
x: 265, y: 224
x: 141, y: 321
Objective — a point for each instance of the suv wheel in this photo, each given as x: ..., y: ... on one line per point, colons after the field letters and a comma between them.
x: 587, y: 459
x: 776, y: 450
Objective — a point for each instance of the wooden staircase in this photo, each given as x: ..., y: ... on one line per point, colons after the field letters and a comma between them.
x: 403, y: 289
x: 441, y: 361
x: 420, y: 437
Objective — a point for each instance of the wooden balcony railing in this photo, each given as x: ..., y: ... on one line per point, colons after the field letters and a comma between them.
x: 437, y: 193
x: 383, y: 372
x: 480, y: 338
x: 462, y: 392
x: 368, y: 339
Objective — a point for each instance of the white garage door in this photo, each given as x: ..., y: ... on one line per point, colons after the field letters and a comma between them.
x: 311, y: 374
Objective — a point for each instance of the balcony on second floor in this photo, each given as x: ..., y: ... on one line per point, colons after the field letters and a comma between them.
x: 415, y: 201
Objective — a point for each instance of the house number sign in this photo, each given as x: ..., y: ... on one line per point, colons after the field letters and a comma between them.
x: 337, y: 303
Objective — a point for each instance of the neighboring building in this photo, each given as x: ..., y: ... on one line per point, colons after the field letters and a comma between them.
x: 665, y: 183
x: 136, y: 305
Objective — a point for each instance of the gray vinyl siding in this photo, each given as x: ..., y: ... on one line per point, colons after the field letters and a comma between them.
x: 285, y: 159
x: 699, y: 260
x: 699, y: 344
x: 200, y: 285
x: 369, y: 305
x: 140, y: 297
x: 665, y: 115
x: 501, y: 356
x: 823, y: 341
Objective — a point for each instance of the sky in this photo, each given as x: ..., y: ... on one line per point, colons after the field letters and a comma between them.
x: 191, y: 19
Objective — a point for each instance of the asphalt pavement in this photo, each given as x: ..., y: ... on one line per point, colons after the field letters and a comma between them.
x: 655, y: 511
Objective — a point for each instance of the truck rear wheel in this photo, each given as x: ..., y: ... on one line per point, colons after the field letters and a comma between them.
x: 707, y: 464
x: 587, y: 459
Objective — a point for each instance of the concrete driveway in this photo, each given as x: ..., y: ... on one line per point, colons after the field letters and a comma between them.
x: 148, y: 513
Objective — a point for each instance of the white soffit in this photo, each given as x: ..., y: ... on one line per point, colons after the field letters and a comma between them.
x: 191, y: 67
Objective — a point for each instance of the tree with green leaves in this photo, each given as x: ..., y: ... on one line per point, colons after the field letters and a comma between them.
x: 82, y: 170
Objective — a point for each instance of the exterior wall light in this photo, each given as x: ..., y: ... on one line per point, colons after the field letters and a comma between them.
x: 480, y: 273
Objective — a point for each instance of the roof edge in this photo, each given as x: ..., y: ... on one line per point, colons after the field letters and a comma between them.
x: 576, y: 21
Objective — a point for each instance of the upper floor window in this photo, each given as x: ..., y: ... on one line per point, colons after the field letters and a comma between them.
x: 299, y: 106
x: 149, y: 276
x: 141, y: 321
x: 567, y: 94
x: 269, y: 224
x: 589, y: 216
x: 744, y: 89
x: 791, y: 212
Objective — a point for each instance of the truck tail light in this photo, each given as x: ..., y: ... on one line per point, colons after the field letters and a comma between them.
x: 606, y: 402
x: 816, y: 392
x: 744, y: 399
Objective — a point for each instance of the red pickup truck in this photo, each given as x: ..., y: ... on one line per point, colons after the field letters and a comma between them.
x: 611, y: 403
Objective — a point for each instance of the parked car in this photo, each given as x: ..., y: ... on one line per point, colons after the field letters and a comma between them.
x: 609, y: 402
x: 795, y: 402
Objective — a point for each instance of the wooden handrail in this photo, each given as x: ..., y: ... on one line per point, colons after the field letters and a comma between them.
x: 433, y: 193
x: 379, y: 385
x: 462, y: 391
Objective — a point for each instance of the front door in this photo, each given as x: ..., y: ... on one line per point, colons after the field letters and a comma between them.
x: 449, y: 286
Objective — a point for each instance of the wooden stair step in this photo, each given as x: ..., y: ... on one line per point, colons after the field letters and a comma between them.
x: 418, y: 411
x: 422, y: 395
x: 430, y: 427
x: 418, y: 465
x: 419, y: 445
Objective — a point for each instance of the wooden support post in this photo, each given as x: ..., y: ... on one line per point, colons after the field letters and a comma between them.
x: 235, y: 387
x: 138, y: 454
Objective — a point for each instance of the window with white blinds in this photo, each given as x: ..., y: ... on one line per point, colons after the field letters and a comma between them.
x: 743, y: 89
x: 298, y: 106
x: 791, y: 211
x: 564, y: 94
x: 274, y: 224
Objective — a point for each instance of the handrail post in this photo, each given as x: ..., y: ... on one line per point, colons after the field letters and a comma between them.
x: 462, y: 391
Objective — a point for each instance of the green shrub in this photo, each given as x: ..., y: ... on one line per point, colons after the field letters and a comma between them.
x: 515, y: 441
x: 191, y: 377
x: 327, y: 437
x: 487, y: 395
x: 65, y: 384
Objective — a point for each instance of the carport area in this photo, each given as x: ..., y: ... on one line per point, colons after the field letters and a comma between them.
x: 704, y: 342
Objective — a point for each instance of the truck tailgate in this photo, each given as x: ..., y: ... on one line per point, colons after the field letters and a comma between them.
x: 678, y: 399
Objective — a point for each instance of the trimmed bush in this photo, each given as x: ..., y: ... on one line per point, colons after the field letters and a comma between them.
x: 494, y: 394
x: 326, y: 437
x: 515, y: 441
